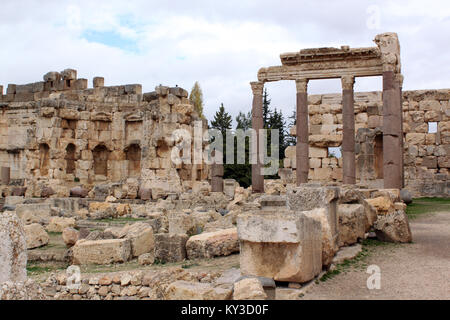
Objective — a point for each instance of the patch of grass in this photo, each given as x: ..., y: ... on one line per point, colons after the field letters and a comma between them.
x: 427, y: 205
x: 330, y: 274
x: 33, y: 270
x: 371, y: 243
x: 157, y: 261
x: 358, y: 262
x: 54, y: 234
x: 38, y: 268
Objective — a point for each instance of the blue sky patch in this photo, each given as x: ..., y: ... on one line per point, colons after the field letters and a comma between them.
x: 111, y: 39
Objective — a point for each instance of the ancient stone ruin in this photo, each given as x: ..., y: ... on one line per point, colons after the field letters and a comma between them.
x: 59, y: 134
x: 88, y: 183
x: 385, y: 137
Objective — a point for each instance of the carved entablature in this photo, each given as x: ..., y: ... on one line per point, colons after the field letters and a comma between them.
x: 330, y: 55
x: 390, y: 51
x: 327, y: 63
x: 101, y: 116
x: 134, y: 116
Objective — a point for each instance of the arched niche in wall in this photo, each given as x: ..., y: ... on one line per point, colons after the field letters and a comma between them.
x: 101, y: 156
x: 70, y: 158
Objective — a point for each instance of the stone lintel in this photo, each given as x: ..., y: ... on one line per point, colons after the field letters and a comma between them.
x: 277, y: 73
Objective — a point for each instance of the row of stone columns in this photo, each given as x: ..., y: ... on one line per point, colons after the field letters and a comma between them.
x: 392, y: 131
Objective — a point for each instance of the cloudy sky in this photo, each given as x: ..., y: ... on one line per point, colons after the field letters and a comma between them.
x: 220, y: 44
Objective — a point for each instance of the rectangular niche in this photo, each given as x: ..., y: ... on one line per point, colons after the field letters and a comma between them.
x: 133, y: 130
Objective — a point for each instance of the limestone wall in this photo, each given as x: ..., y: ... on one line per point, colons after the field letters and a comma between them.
x: 426, y: 155
x: 60, y: 133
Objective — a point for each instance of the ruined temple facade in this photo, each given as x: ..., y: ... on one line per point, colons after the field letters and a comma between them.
x: 385, y: 137
x: 58, y: 134
x: 426, y: 136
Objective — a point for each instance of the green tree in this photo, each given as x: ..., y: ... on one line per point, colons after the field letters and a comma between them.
x: 222, y: 121
x: 196, y: 97
x: 242, y: 173
x: 244, y: 121
x: 266, y: 109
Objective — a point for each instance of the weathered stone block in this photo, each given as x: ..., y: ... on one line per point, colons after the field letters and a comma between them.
x: 35, y: 235
x: 318, y: 152
x: 13, y: 248
x: 415, y: 138
x: 212, y: 244
x: 352, y: 223
x: 393, y: 227
x: 70, y: 236
x: 184, y: 290
x: 229, y: 186
x: 141, y: 238
x: 33, y: 213
x: 101, y: 251
x: 249, y: 289
x: 181, y: 223
x: 170, y: 247
x: 285, y: 247
x: 58, y: 224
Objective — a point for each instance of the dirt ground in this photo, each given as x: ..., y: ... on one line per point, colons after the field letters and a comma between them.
x: 420, y: 270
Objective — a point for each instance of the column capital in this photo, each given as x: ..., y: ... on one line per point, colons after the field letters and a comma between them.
x: 257, y: 87
x: 301, y: 84
x: 347, y: 82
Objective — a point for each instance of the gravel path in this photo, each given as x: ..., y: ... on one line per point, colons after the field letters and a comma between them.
x: 420, y: 270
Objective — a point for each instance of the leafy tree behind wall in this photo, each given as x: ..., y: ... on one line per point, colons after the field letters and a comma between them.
x: 196, y: 97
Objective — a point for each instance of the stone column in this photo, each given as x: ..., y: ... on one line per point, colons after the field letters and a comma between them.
x: 348, y: 141
x: 392, y: 110
x: 399, y: 81
x: 392, y: 131
x: 217, y: 174
x: 257, y: 124
x: 302, y: 149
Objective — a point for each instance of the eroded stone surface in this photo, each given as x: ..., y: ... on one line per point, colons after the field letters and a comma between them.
x: 36, y: 236
x: 212, y: 244
x: 393, y: 227
x: 13, y: 248
x: 285, y: 247
x: 101, y: 251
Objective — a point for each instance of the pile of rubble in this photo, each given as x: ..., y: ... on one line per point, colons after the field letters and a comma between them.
x: 290, y: 235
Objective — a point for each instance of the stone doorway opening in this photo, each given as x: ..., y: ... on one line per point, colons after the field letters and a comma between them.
x: 101, y: 155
